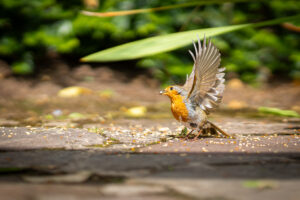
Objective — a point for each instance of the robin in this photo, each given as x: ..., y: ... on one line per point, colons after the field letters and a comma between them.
x: 202, y: 91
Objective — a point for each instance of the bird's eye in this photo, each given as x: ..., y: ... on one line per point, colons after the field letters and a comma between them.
x: 171, y: 88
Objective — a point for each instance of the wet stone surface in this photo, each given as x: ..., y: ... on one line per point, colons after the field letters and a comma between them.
x: 253, y: 135
x: 150, y: 161
x: 21, y: 138
x: 111, y: 138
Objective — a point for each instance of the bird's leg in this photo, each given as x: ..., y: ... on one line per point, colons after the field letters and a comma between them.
x: 187, y: 135
x: 199, y: 133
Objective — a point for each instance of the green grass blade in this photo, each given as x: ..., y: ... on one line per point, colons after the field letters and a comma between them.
x: 147, y: 10
x: 279, y: 112
x: 169, y: 42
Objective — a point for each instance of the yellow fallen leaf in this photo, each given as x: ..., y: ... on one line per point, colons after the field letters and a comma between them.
x: 235, y: 104
x: 73, y: 91
x: 132, y: 149
x: 235, y: 84
x: 138, y: 111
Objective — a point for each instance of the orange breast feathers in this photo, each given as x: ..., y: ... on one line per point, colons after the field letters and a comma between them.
x: 179, y: 109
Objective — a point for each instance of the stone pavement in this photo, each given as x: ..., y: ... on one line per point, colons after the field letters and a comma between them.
x: 143, y: 161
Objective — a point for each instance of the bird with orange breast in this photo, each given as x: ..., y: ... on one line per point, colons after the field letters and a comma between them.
x: 202, y: 91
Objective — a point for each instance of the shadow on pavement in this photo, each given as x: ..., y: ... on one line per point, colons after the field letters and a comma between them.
x: 155, y: 165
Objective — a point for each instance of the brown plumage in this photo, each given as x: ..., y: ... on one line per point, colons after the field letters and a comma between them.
x: 202, y: 91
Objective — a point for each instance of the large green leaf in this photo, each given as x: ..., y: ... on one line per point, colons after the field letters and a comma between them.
x: 164, y: 43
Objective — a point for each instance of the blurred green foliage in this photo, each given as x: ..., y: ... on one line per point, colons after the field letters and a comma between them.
x: 29, y: 30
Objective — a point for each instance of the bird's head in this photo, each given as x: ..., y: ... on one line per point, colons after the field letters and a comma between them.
x: 170, y: 91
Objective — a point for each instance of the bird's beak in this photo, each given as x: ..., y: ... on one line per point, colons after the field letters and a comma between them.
x: 162, y: 92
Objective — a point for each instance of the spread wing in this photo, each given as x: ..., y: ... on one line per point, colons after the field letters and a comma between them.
x: 205, y: 85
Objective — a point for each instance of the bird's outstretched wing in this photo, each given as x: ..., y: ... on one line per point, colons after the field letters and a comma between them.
x: 205, y: 85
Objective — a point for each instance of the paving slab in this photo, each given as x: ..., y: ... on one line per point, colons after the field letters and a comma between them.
x: 87, y: 192
x: 124, y: 165
x: 228, y: 188
x: 259, y: 127
x: 23, y: 138
x: 124, y: 137
x: 110, y: 138
x: 150, y: 161
x: 249, y: 144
